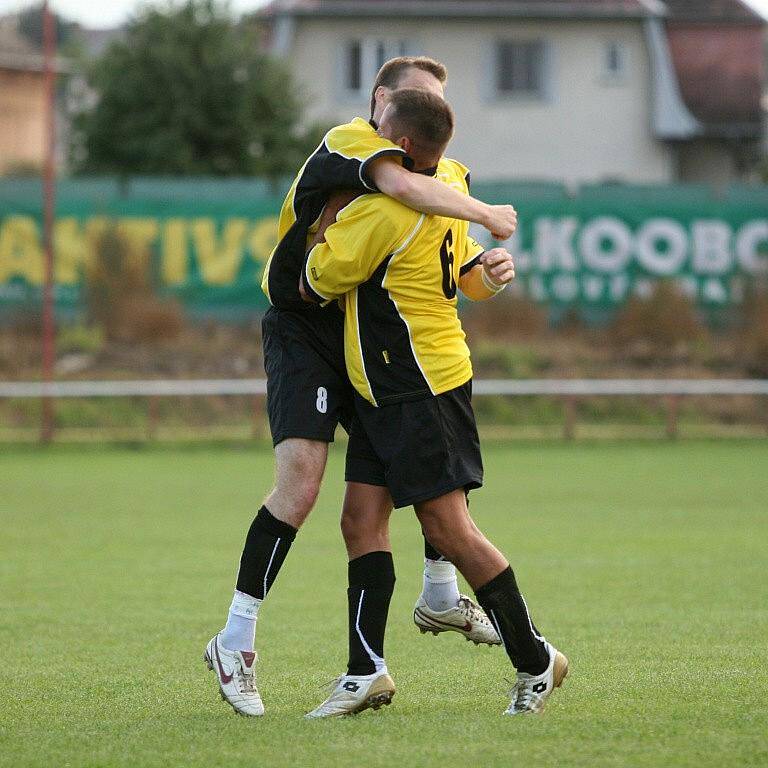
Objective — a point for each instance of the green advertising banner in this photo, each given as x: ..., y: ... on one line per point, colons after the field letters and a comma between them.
x: 209, y: 255
x: 600, y: 247
x: 592, y: 250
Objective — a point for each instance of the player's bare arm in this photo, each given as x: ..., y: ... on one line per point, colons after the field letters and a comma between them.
x: 429, y: 195
x: 422, y: 193
x: 494, y: 272
x: 336, y: 202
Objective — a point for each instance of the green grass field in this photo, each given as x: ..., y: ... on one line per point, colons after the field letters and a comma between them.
x: 646, y: 563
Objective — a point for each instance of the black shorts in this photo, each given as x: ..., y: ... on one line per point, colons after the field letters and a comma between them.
x: 308, y: 392
x: 419, y: 449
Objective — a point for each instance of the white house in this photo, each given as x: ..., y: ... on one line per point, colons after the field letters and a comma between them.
x: 574, y: 90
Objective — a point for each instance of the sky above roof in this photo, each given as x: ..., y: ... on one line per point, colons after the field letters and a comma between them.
x: 115, y: 12
x: 112, y: 13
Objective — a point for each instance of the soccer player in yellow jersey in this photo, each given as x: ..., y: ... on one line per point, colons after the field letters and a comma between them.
x: 397, y: 272
x: 308, y: 392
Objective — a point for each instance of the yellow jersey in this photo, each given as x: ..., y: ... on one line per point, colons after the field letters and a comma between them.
x: 397, y: 271
x: 340, y: 162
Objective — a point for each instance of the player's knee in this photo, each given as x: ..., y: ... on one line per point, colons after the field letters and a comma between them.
x: 446, y: 546
x: 297, y: 494
x: 437, y: 535
x: 304, y: 493
x: 364, y: 528
x: 449, y: 540
x: 358, y: 523
x: 300, y: 466
x: 352, y: 526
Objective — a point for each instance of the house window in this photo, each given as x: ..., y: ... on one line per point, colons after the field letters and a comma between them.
x: 615, y: 63
x: 520, y: 68
x: 354, y: 66
x: 363, y: 58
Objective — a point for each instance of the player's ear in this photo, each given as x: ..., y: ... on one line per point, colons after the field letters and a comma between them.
x: 405, y: 144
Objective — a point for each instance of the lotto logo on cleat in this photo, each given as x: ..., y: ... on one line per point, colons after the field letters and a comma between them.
x: 351, y: 686
x: 540, y: 687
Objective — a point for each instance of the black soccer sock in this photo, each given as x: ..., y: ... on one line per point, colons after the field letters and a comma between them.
x: 266, y: 547
x: 506, y: 608
x: 371, y: 584
x: 431, y: 553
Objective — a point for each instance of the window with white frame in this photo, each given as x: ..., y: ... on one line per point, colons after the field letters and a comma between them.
x: 363, y: 58
x: 520, y: 68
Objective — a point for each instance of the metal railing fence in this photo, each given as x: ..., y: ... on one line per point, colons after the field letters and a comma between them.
x: 567, y: 390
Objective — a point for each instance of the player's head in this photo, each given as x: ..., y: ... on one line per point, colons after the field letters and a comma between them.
x: 406, y: 72
x: 420, y: 122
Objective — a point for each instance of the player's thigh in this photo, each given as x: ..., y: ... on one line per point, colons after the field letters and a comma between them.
x: 307, y: 390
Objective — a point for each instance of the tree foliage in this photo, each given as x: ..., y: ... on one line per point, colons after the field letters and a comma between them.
x: 188, y: 92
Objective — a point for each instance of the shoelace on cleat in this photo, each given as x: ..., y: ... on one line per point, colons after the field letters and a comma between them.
x: 524, y: 696
x: 247, y: 680
x: 472, y: 611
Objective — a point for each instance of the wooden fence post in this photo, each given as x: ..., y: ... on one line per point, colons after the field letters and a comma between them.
x: 153, y: 416
x: 672, y: 406
x: 569, y: 425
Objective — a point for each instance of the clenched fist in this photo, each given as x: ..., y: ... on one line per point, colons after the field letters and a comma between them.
x: 499, y: 266
x: 501, y: 221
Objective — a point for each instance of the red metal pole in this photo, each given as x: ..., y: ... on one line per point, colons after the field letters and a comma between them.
x: 49, y: 202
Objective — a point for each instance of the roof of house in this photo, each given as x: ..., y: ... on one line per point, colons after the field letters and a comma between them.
x: 610, y: 9
x: 721, y: 76
x: 709, y: 11
x: 16, y: 52
x: 717, y: 51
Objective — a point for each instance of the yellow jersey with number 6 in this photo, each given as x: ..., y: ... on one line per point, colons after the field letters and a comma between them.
x: 397, y: 271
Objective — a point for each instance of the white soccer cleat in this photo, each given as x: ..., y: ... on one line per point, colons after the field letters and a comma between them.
x: 236, y: 673
x: 354, y: 693
x: 532, y: 691
x: 466, y: 617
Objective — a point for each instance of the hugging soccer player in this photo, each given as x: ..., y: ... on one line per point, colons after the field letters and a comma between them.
x: 414, y: 434
x: 308, y: 392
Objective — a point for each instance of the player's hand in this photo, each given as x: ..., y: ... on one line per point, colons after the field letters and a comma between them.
x: 303, y: 291
x: 499, y: 266
x: 501, y: 221
x: 336, y: 202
